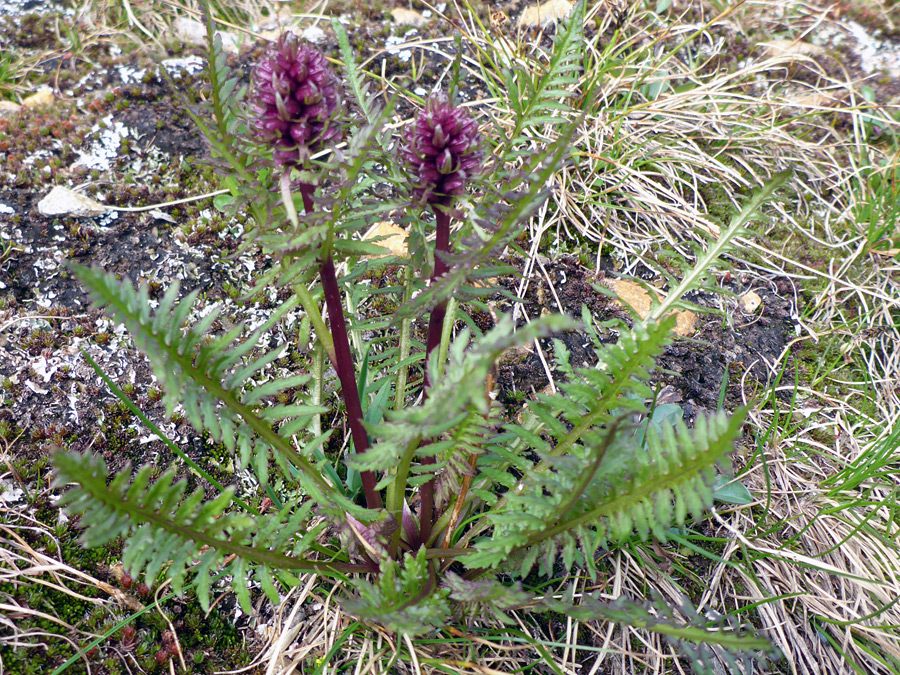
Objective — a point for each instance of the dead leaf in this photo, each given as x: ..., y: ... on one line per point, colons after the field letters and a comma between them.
x: 407, y: 17
x: 545, y: 14
x: 750, y: 302
x: 390, y: 236
x: 43, y: 96
x: 635, y: 296
x: 61, y: 201
x: 812, y: 100
x: 791, y: 48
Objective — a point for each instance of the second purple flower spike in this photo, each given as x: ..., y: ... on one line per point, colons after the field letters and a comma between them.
x: 442, y: 150
x: 294, y: 101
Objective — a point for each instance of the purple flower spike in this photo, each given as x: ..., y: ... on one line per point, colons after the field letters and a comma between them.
x: 295, y: 101
x: 442, y: 150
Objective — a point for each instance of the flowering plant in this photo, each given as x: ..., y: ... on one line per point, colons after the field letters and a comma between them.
x: 295, y: 102
x: 452, y: 490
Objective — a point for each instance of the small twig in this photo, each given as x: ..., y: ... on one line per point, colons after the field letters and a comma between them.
x: 460, y: 501
x: 152, y: 207
x: 467, y: 479
x: 178, y: 648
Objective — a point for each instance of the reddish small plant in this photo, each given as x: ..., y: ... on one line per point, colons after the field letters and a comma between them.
x: 295, y: 101
x: 442, y: 152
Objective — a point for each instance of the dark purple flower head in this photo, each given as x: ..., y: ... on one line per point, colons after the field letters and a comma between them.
x: 295, y: 100
x: 442, y: 150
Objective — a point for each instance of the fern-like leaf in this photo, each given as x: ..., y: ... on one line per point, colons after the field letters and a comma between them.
x: 222, y: 87
x: 403, y: 597
x: 554, y: 425
x: 208, y: 379
x: 485, y: 597
x: 467, y: 441
x: 541, y: 100
x: 168, y: 530
x: 605, y: 490
x: 454, y: 396
x: 711, y: 647
x: 594, y: 485
x: 359, y: 88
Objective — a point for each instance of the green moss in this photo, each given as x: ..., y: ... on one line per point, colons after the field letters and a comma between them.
x: 33, y: 31
x: 209, y: 643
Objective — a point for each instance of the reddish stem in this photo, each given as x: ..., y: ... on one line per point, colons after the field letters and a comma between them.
x: 435, y: 329
x: 306, y: 191
x: 343, y: 360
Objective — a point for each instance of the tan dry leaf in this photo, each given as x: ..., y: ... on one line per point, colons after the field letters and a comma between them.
x: 395, y: 240
x: 407, y: 17
x: 62, y: 201
x: 791, y: 48
x: 545, y: 13
x: 271, y: 34
x: 750, y: 302
x: 812, y: 100
x: 636, y: 297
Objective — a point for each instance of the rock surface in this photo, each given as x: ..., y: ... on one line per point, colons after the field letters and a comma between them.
x: 62, y: 201
x: 194, y: 33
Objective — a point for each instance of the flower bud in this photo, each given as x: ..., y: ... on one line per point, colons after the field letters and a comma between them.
x: 442, y: 150
x: 295, y: 100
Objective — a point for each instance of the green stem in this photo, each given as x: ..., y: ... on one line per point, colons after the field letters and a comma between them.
x: 443, y: 521
x: 447, y: 332
x: 355, y: 336
x: 318, y: 386
x: 156, y: 430
x: 311, y: 307
x: 404, y: 346
x: 287, y: 198
x: 397, y: 494
x: 397, y: 491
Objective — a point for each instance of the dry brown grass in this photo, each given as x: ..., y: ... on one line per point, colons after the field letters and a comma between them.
x: 21, y: 564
